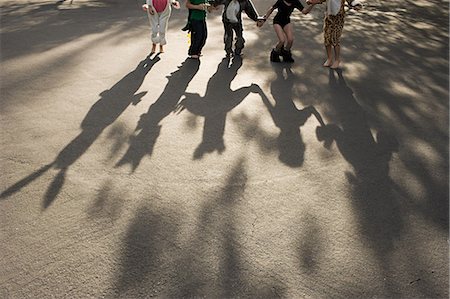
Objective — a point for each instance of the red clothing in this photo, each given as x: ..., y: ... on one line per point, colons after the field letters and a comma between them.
x: 159, y: 5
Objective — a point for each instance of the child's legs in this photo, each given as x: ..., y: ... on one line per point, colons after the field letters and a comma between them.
x: 195, y: 38
x: 289, y: 32
x: 240, y: 41
x: 281, y: 36
x: 163, y: 24
x: 337, y: 58
x: 328, y: 39
x: 198, y: 36
x: 337, y: 52
x: 204, y: 34
x: 228, y: 36
x: 329, y: 53
x: 154, y: 22
x: 333, y: 26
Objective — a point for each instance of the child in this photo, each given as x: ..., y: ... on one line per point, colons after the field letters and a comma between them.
x: 158, y: 14
x: 232, y: 22
x: 283, y: 27
x: 332, y: 28
x: 197, y: 26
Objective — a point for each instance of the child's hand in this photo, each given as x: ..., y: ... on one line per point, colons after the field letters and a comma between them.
x: 261, y: 21
x: 150, y: 10
x: 176, y: 4
x: 211, y: 8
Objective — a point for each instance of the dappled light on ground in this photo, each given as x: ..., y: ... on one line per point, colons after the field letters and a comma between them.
x: 126, y: 174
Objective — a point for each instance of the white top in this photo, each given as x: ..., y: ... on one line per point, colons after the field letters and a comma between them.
x: 334, y: 6
x: 232, y: 11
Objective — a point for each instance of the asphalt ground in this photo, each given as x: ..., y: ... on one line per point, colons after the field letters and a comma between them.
x: 124, y: 176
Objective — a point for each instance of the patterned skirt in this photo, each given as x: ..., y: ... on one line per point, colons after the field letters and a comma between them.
x: 332, y: 29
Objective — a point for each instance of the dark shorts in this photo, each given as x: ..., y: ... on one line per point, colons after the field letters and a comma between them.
x: 281, y: 20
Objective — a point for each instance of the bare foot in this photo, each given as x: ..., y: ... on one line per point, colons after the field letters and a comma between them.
x: 335, y: 65
x: 327, y: 63
x: 161, y: 49
x: 153, y: 48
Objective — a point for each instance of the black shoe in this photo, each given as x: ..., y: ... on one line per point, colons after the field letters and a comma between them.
x: 275, y: 56
x: 287, y: 56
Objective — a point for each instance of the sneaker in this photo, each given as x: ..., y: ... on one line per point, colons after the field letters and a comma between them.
x: 275, y: 56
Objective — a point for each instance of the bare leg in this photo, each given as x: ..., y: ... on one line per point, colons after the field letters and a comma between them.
x: 337, y: 57
x: 329, y: 61
x: 161, y: 49
x: 289, y: 32
x: 281, y: 37
x: 153, y: 48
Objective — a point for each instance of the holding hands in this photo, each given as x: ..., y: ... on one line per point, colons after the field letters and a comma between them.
x: 261, y: 21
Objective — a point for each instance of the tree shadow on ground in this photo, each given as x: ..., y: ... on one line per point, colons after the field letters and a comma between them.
x: 378, y: 202
x: 149, y: 127
x: 310, y: 246
x: 215, y: 105
x: 207, y: 261
x: 108, y: 203
x: 216, y: 246
x: 104, y: 112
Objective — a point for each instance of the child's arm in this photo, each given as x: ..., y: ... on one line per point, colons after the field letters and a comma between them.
x: 263, y: 19
x: 268, y: 13
x: 307, y: 9
x: 148, y: 7
x: 250, y: 10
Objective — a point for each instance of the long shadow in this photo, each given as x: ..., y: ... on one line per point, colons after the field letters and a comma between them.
x: 103, y: 113
x: 159, y: 258
x: 215, y: 265
x: 310, y: 245
x: 148, y: 241
x: 287, y: 117
x: 214, y: 106
x: 377, y: 206
x: 148, y: 127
